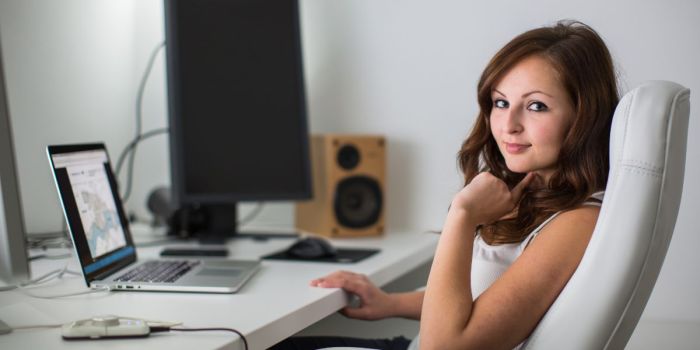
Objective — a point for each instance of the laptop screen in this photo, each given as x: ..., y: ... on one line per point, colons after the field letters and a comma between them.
x: 93, y: 209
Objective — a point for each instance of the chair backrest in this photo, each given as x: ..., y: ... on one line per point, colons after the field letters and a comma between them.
x: 601, y: 305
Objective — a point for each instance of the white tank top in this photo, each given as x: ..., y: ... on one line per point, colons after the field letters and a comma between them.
x: 489, y: 262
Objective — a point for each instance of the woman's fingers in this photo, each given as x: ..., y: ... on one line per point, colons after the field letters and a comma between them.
x: 359, y: 313
x: 335, y: 274
x: 371, y: 301
x: 349, y: 281
x: 352, y: 285
x: 518, y: 190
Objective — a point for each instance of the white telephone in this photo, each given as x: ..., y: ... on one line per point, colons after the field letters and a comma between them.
x: 107, y: 326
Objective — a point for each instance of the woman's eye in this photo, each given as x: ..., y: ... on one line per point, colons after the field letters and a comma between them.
x: 537, y: 107
x: 500, y: 104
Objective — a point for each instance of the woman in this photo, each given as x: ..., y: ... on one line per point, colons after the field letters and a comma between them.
x: 534, y: 165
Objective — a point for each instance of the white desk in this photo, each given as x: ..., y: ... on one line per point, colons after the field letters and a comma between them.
x: 276, y: 303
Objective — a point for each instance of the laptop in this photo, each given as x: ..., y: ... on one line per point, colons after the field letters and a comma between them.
x: 103, y: 243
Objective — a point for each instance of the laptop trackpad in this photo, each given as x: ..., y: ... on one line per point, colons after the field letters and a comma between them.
x: 218, y: 272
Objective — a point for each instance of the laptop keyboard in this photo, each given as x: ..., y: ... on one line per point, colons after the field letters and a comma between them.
x: 158, y: 271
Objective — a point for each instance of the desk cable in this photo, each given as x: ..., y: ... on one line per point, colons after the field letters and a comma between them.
x: 130, y: 150
x: 72, y: 294
x: 49, y: 276
x: 154, y: 327
x: 42, y: 279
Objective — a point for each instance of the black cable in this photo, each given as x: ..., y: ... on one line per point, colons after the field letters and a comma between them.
x: 130, y: 151
x: 50, y: 257
x: 253, y: 213
x: 139, y: 120
x: 48, y: 242
x: 131, y: 145
x: 167, y: 329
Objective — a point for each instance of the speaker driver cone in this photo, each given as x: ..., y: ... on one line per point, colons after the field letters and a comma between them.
x: 348, y: 157
x: 358, y: 202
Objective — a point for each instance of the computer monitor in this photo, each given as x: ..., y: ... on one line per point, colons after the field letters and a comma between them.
x: 14, y: 266
x: 237, y: 109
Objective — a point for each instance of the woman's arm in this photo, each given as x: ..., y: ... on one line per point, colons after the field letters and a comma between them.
x: 506, y: 313
x: 408, y: 305
x: 447, y: 305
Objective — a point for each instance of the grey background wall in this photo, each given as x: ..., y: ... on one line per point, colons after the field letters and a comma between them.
x: 404, y: 69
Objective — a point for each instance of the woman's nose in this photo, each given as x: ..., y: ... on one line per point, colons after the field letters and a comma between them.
x: 513, y: 123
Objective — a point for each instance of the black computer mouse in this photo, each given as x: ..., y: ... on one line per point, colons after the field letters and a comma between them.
x: 311, y: 248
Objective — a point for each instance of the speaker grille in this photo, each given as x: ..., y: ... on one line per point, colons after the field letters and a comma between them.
x: 358, y: 202
x: 348, y: 157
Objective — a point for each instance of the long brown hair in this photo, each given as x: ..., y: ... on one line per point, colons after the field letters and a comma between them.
x: 585, y: 69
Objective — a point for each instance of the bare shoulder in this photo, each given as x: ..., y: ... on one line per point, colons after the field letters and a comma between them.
x: 566, y: 237
x: 580, y: 220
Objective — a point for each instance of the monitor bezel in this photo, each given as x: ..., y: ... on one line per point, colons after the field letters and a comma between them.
x: 180, y: 196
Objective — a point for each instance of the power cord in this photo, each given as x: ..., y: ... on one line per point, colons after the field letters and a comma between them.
x: 57, y: 240
x: 50, y: 256
x: 154, y: 327
x: 51, y: 275
x: 53, y: 239
x: 41, y: 279
x: 48, y: 242
x: 56, y: 296
x: 131, y: 149
x: 250, y: 216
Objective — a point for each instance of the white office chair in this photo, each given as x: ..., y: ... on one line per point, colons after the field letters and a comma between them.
x: 601, y: 305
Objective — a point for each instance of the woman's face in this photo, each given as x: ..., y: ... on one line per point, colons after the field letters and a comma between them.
x: 530, y: 117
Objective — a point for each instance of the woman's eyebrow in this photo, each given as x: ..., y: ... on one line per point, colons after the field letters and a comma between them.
x: 536, y: 92
x: 502, y: 94
x: 526, y: 94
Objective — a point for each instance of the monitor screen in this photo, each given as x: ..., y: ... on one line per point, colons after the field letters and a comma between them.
x: 85, y: 176
x: 238, y: 125
x: 87, y: 189
x: 14, y: 266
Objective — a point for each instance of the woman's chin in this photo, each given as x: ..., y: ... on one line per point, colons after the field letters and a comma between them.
x: 519, y: 168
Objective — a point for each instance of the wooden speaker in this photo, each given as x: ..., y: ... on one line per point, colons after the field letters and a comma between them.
x: 348, y: 187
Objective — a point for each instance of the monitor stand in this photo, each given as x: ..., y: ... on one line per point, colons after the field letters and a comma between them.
x: 215, y: 224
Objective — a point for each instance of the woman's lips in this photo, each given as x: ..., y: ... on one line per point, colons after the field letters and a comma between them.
x: 515, y: 148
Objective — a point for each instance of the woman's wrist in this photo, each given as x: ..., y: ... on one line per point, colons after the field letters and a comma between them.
x: 406, y: 305
x: 393, y: 304
x: 462, y: 214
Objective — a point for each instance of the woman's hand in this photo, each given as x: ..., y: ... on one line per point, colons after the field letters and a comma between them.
x: 375, y: 304
x: 487, y: 198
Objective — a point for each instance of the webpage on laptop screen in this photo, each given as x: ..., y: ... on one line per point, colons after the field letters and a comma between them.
x: 94, y: 199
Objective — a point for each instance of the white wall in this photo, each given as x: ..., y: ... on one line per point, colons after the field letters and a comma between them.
x: 69, y: 69
x: 405, y: 69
